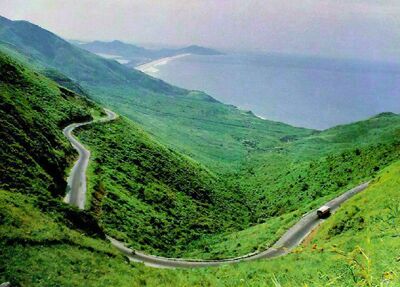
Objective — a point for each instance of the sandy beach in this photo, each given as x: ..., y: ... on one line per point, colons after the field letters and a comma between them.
x: 151, y: 67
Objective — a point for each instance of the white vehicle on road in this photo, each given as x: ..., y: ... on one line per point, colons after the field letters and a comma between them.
x: 323, y: 211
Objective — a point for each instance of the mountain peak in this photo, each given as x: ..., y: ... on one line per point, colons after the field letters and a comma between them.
x: 118, y: 42
x: 199, y: 50
x: 4, y: 20
x: 386, y: 114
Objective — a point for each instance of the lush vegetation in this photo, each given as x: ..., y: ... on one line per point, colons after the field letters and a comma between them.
x: 281, y: 185
x: 255, y: 178
x: 34, y: 154
x: 295, y: 189
x: 292, y: 192
x: 149, y: 195
x: 358, y: 246
x: 217, y: 135
x: 317, y: 167
x: 150, y: 201
x: 194, y: 123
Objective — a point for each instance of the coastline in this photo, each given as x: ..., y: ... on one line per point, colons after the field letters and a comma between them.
x: 151, y: 67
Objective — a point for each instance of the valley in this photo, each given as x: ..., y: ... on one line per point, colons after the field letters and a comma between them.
x: 178, y: 174
x: 293, y: 237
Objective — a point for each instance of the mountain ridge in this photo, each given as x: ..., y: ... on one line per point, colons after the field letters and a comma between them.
x: 150, y: 196
x: 169, y: 113
x: 137, y: 55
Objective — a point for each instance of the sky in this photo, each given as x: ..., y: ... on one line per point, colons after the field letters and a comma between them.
x: 366, y: 29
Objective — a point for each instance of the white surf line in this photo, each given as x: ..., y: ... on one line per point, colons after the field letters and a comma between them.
x: 151, y: 67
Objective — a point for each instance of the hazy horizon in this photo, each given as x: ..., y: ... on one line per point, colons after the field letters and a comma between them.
x: 362, y: 29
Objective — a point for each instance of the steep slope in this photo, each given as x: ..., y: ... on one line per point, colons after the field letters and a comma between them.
x: 269, y: 196
x: 33, y: 158
x: 144, y: 193
x: 152, y: 197
x: 281, y: 184
x: 34, y: 153
x: 218, y: 135
x: 358, y: 246
x: 46, y: 49
x: 43, y: 242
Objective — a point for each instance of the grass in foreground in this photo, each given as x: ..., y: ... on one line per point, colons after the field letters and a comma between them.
x: 358, y: 246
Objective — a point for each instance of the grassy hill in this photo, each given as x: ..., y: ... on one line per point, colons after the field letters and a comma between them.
x: 358, y: 246
x: 217, y: 135
x: 35, y: 225
x: 143, y: 192
x: 34, y: 153
x: 34, y: 156
x: 254, y: 205
x: 279, y: 188
x: 286, y: 170
x: 282, y: 184
x: 152, y: 197
x: 156, y: 199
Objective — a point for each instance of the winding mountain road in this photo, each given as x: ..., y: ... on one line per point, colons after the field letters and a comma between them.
x: 76, y: 195
x: 76, y: 182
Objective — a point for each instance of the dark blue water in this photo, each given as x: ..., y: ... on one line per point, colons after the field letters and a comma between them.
x: 308, y: 92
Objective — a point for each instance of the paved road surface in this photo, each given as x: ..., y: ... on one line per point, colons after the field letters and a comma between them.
x: 291, y: 239
x: 76, y: 182
x: 76, y: 194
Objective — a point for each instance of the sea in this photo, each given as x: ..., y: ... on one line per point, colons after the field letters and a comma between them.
x: 310, y: 92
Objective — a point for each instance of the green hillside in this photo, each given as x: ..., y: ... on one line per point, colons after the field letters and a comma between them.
x: 194, y: 123
x: 142, y: 192
x: 34, y: 153
x: 282, y: 184
x: 45, y: 49
x: 34, y: 156
x: 36, y: 228
x: 248, y: 180
x: 268, y: 195
x: 273, y: 172
x: 358, y: 246
x: 152, y: 197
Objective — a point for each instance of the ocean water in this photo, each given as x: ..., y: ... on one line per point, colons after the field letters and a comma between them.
x: 302, y: 91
